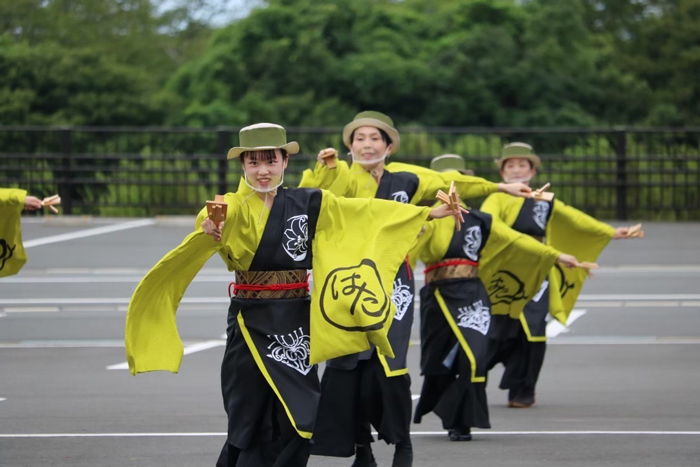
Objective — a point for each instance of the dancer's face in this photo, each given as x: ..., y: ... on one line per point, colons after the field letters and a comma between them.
x: 517, y: 170
x: 368, y: 143
x: 264, y: 168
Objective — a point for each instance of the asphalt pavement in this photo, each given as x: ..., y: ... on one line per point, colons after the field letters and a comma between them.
x: 619, y: 386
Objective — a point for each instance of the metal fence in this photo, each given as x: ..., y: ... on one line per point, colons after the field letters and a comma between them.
x: 609, y: 173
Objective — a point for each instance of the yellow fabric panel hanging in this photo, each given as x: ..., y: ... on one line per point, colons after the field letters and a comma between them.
x: 12, y: 254
x: 576, y: 233
x: 360, y: 245
x: 512, y: 268
x: 151, y: 337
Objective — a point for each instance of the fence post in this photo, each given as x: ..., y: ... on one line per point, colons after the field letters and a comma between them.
x: 223, y: 143
x: 621, y: 174
x: 65, y: 187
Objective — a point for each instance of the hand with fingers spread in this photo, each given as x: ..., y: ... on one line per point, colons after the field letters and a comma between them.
x: 515, y: 189
x: 212, y: 230
x: 568, y: 261
x: 31, y: 203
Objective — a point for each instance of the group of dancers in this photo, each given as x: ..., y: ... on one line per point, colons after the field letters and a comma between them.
x: 493, y: 277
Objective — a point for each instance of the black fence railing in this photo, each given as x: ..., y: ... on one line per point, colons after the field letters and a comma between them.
x: 610, y: 173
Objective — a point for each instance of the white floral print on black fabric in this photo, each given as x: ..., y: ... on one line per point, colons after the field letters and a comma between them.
x: 292, y: 350
x: 540, y: 212
x: 402, y: 298
x: 472, y: 243
x: 476, y: 317
x: 296, y: 237
x: 400, y: 196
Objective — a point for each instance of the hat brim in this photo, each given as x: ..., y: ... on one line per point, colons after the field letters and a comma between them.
x: 292, y: 148
x: 360, y: 122
x: 535, y: 159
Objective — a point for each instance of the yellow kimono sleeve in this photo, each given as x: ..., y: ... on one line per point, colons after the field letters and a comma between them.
x: 151, y: 338
x: 503, y: 206
x: 12, y: 254
x: 576, y: 233
x: 431, y: 181
x: 512, y: 267
x: 338, y: 181
x: 358, y: 248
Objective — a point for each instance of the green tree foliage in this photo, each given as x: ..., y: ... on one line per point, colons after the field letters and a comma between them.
x: 51, y: 84
x: 317, y: 62
x: 90, y: 62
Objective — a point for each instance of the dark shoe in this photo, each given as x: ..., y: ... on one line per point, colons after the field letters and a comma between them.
x: 522, y: 397
x: 512, y: 394
x: 522, y: 401
x: 403, y: 454
x: 460, y: 434
x: 364, y: 456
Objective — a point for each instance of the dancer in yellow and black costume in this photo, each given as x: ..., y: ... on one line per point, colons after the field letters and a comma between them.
x: 270, y: 238
x: 521, y: 342
x: 12, y: 254
x: 462, y: 266
x: 369, y: 389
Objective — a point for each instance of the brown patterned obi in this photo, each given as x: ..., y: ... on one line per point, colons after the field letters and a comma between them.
x: 451, y: 268
x: 265, y: 285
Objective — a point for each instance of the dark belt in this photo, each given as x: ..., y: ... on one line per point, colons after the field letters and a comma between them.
x: 259, y: 285
x: 451, y: 268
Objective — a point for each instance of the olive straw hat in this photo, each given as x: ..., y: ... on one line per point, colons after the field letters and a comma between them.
x: 519, y: 151
x: 377, y: 120
x: 263, y: 136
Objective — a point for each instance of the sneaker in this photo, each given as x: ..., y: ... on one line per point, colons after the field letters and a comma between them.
x: 403, y: 454
x: 460, y: 434
x: 364, y: 456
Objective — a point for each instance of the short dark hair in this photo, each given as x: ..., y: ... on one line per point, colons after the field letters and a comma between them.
x: 267, y: 155
x: 385, y: 137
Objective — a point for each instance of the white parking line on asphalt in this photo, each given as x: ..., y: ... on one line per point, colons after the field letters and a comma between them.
x: 109, y: 278
x: 34, y: 309
x: 64, y: 344
x: 2, y: 399
x: 624, y: 340
x: 413, y: 433
x: 579, y: 340
x: 188, y: 350
x: 101, y: 279
x: 609, y: 299
x: 88, y: 233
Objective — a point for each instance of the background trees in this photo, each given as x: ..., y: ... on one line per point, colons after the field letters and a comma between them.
x: 317, y: 62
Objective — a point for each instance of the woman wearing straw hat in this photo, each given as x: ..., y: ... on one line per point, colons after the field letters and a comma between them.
x: 520, y: 343
x: 371, y: 388
x: 456, y: 309
x: 270, y: 237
